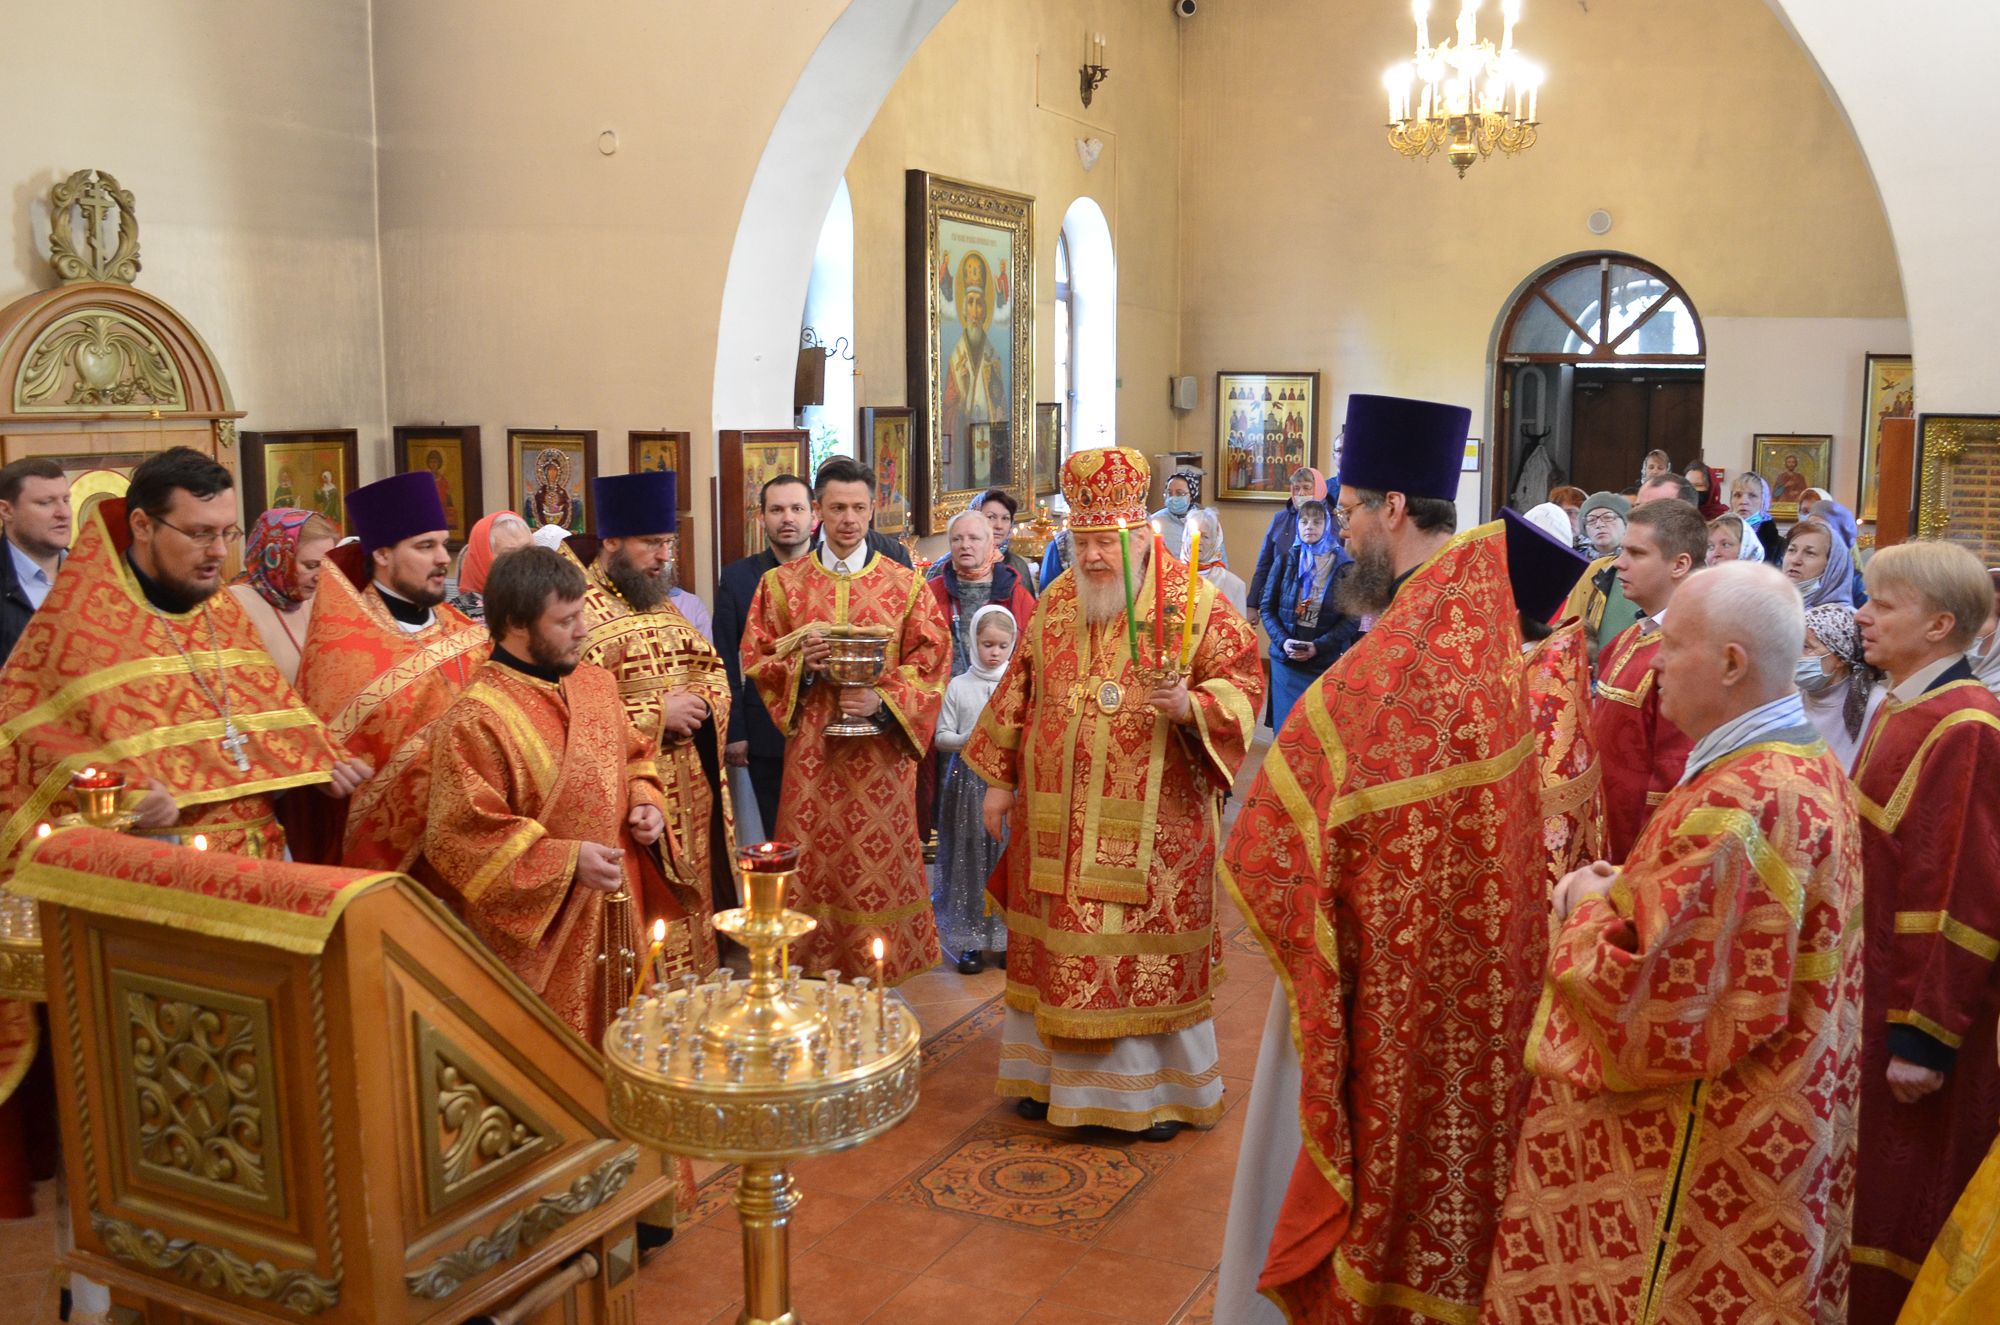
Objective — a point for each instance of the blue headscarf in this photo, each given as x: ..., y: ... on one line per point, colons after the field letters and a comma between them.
x: 1310, y: 555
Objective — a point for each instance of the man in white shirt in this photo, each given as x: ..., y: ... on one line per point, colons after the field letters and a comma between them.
x: 34, y: 508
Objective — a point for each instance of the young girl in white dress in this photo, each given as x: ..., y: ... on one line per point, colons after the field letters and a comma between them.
x: 966, y: 855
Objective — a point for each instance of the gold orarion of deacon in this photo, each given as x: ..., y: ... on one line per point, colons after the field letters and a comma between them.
x: 762, y: 1072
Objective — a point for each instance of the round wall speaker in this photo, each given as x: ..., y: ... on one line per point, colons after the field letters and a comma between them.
x: 1599, y: 222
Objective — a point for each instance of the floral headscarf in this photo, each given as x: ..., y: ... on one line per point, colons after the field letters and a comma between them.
x: 1191, y: 476
x: 1834, y: 626
x: 270, y: 557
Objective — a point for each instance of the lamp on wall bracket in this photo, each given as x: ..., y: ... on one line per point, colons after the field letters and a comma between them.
x: 1464, y: 96
x: 1094, y: 70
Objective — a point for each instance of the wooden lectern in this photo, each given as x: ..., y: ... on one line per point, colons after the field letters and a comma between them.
x: 295, y: 1094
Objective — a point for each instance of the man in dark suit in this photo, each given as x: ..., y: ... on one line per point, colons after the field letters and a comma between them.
x: 34, y: 508
x: 754, y: 741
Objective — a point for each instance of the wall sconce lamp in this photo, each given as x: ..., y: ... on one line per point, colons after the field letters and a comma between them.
x: 1094, y: 69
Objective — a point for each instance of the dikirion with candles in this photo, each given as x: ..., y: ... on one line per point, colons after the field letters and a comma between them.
x: 1108, y: 748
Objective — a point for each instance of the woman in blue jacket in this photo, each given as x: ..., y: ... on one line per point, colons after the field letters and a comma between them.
x: 1301, y: 610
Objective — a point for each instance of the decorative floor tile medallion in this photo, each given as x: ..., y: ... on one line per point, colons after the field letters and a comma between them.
x: 1065, y: 1183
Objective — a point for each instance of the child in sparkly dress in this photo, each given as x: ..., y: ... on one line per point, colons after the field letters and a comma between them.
x: 966, y: 855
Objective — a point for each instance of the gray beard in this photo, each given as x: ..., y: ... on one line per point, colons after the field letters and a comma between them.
x: 1369, y: 584
x: 1100, y: 602
x: 644, y: 592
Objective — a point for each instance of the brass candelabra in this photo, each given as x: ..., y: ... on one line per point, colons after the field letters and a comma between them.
x: 762, y: 1072
x: 23, y: 973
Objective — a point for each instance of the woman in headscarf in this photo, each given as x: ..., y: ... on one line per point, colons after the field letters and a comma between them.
x: 1302, y: 610
x: 1729, y: 540
x: 1846, y: 527
x: 1308, y: 484
x: 502, y: 531
x: 1214, y: 569
x: 1750, y: 499
x: 1838, y: 687
x: 1183, y: 493
x: 1818, y: 562
x: 1552, y: 520
x: 282, y: 560
x: 1702, y: 478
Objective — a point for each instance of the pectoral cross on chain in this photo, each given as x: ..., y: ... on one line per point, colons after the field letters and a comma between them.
x: 233, y: 743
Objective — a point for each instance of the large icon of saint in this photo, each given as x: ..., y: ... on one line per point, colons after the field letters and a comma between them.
x: 976, y: 390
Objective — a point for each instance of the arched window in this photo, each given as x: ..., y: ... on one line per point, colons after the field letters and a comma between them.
x: 1087, y: 302
x: 1603, y: 308
x: 829, y: 322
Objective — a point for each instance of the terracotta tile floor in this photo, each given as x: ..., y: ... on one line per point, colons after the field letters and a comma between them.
x: 963, y: 1213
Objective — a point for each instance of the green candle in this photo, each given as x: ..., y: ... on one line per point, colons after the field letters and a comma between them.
x: 1131, y: 617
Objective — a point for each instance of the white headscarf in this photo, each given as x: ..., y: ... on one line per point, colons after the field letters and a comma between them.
x: 1552, y: 520
x: 972, y: 641
x: 552, y: 537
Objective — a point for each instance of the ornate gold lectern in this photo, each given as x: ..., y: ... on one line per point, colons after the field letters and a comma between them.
x: 295, y: 1094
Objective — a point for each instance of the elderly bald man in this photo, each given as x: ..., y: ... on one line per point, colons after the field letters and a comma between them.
x: 1690, y: 1142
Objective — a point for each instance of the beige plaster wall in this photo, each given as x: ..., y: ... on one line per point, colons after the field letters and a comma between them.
x: 532, y: 281
x: 992, y: 97
x: 245, y: 130
x: 1308, y: 243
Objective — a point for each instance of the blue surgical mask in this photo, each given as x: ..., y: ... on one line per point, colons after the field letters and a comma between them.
x: 1811, y: 675
x: 1179, y: 505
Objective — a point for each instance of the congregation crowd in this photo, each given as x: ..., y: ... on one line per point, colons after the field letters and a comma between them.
x: 1629, y: 867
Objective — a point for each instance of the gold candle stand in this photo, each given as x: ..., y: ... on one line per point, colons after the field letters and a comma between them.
x: 762, y: 1072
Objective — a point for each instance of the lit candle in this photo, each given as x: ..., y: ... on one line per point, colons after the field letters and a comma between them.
x: 1159, y: 598
x: 1510, y: 14
x: 1131, y: 616
x: 880, y: 950
x: 881, y: 999
x: 1421, y: 11
x: 652, y: 955
x: 200, y: 842
x: 43, y: 830
x: 1194, y: 583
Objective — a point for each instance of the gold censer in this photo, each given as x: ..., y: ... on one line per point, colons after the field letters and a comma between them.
x: 762, y: 1072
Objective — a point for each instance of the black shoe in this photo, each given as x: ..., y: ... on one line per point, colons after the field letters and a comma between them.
x: 998, y: 959
x: 1160, y: 1132
x: 1034, y: 1111
x: 970, y: 963
x: 653, y: 1236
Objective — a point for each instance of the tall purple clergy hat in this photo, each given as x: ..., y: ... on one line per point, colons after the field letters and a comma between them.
x: 636, y: 505
x: 389, y: 510
x: 1542, y: 570
x: 1409, y: 446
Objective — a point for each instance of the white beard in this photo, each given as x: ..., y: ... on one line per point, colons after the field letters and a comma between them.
x: 1100, y: 602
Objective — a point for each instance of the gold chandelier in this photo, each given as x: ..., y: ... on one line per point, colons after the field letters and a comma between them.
x: 1463, y: 96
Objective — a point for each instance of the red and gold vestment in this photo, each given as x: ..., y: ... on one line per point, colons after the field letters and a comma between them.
x: 851, y: 801
x: 1642, y: 754
x: 652, y: 653
x: 1930, y: 840
x: 527, y: 771
x: 1110, y: 869
x: 1572, y: 779
x: 380, y: 687
x: 1688, y: 1154
x: 1389, y: 859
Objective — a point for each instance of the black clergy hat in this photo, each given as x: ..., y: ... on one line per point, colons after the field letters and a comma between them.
x: 389, y: 510
x: 1414, y: 447
x: 636, y: 505
x: 1542, y: 570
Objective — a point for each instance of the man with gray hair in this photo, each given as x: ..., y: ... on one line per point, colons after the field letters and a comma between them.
x: 1701, y: 1002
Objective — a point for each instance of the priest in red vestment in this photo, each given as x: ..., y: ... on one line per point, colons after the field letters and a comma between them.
x: 1389, y: 859
x: 1106, y: 773
x: 137, y: 665
x: 1688, y: 1155
x: 1642, y: 752
x: 1543, y: 572
x: 543, y: 793
x: 851, y: 801
x: 384, y: 656
x: 676, y: 693
x: 1930, y: 839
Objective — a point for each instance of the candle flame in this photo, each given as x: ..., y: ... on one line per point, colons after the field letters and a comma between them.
x: 659, y: 931
x: 877, y: 945
x: 42, y: 830
x: 90, y: 772
x: 201, y: 842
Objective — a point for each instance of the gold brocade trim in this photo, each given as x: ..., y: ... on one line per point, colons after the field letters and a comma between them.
x: 1769, y: 866
x: 64, y: 701
x: 1285, y: 785
x: 1572, y: 794
x: 1166, y: 1076
x: 1377, y: 1296
x: 1334, y: 1177
x: 1918, y: 1021
x: 841, y: 915
x: 1105, y: 1023
x: 1957, y: 931
x: 1407, y: 791
x: 1822, y: 965
x: 1888, y: 817
x: 1687, y: 1138
x: 509, y: 851
x: 176, y: 908
x: 1118, y: 1120
x: 24, y: 1053
x: 56, y: 784
x: 1614, y: 662
x: 400, y: 674
x: 1068, y: 944
x: 521, y: 733
x: 1883, y: 1259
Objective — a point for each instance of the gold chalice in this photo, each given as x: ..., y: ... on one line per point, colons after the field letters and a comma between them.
x: 856, y: 663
